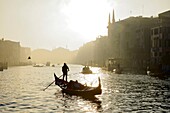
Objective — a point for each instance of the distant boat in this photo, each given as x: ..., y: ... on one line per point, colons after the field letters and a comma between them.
x: 117, y: 71
x: 38, y: 65
x: 158, y: 74
x: 3, y: 66
x: 86, y: 70
x: 48, y: 64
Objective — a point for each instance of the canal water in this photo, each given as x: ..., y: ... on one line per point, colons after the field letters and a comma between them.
x: 21, y: 91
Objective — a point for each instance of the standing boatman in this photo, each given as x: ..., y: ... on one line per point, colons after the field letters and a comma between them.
x: 65, y: 69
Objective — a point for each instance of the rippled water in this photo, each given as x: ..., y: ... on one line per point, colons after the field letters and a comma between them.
x: 21, y: 90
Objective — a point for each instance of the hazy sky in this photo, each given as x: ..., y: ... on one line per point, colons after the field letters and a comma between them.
x: 67, y: 23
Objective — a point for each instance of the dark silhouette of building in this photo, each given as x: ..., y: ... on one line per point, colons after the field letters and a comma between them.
x: 137, y: 42
x: 130, y: 41
x: 160, y: 47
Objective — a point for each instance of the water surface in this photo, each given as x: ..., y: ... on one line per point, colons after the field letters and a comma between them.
x: 21, y: 90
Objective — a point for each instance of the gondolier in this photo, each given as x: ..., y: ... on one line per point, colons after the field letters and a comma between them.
x: 65, y: 69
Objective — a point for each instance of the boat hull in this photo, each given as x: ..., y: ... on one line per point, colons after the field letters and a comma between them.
x: 86, y: 72
x: 92, y: 92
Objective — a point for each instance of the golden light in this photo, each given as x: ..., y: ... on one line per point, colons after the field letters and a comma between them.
x: 88, y: 17
x: 91, y: 79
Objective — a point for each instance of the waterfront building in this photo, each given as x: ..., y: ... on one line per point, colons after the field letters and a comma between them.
x: 12, y: 53
x: 130, y: 41
x: 160, y: 47
x: 101, y: 49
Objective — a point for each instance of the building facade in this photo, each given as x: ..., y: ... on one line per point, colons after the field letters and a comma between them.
x: 130, y: 41
x: 160, y: 46
x: 12, y: 53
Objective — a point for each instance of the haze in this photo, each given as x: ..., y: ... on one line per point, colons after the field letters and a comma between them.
x: 67, y: 23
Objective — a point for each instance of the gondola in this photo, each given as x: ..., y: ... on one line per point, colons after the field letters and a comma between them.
x: 81, y: 90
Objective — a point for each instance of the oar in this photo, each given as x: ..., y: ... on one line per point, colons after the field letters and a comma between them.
x: 50, y: 84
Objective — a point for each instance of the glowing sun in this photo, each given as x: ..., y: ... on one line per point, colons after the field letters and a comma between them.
x: 88, y: 17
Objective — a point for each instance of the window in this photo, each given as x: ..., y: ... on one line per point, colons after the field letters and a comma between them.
x: 155, y: 54
x: 160, y: 30
x: 152, y: 32
x: 156, y: 31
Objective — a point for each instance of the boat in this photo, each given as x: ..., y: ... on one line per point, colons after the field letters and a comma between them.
x: 161, y: 75
x: 76, y: 88
x: 48, y: 64
x: 86, y: 70
x: 3, y: 65
x: 117, y: 71
x: 158, y: 72
x: 38, y: 65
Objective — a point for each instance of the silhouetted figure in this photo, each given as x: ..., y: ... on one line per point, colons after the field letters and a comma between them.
x: 88, y: 68
x: 76, y: 85
x: 70, y: 84
x: 65, y: 69
x: 84, y: 68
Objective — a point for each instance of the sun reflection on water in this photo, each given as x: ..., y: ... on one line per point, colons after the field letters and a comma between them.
x: 90, y: 105
x: 91, y: 79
